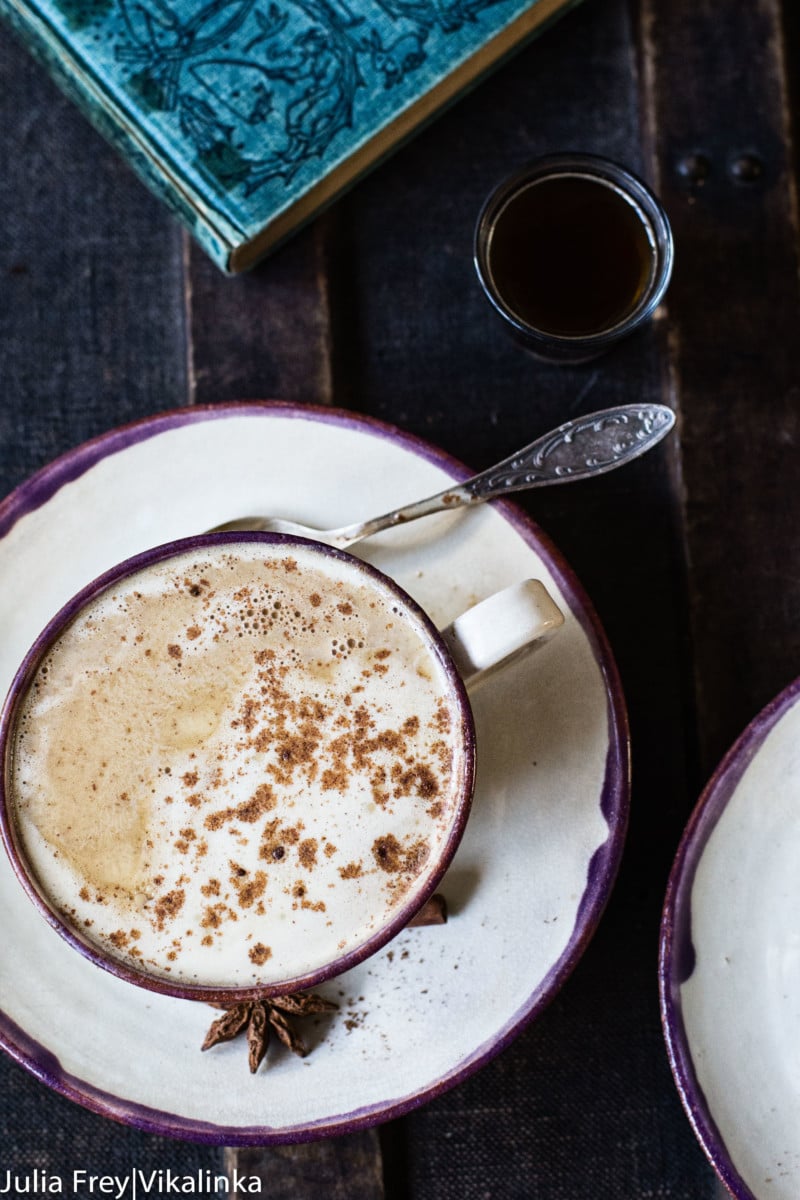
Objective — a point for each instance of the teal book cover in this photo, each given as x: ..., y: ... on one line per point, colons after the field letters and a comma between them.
x: 249, y: 116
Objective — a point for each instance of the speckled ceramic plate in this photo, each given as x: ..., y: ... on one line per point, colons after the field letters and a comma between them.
x: 730, y: 960
x: 530, y: 878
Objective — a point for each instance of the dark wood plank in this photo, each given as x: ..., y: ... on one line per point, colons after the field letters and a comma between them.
x: 725, y: 162
x: 91, y: 306
x: 265, y: 335
x: 343, y: 1168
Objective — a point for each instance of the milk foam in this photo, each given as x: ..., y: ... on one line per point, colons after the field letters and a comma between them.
x: 233, y: 767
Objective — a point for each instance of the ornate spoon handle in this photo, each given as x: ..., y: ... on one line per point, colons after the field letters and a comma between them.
x: 578, y: 449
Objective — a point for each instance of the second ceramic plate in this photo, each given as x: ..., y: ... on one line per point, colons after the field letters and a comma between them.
x: 530, y: 878
x: 730, y: 960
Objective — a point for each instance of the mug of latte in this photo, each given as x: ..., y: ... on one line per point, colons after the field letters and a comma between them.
x: 238, y: 764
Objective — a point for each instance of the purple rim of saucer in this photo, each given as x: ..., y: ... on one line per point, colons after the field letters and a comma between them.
x: 614, y: 799
x: 676, y: 949
x: 464, y: 730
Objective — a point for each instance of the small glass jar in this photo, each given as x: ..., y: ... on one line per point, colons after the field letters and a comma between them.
x: 574, y: 253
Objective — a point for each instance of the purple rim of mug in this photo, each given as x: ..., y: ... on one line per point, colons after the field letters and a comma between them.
x: 614, y: 798
x: 676, y: 950
x: 463, y: 731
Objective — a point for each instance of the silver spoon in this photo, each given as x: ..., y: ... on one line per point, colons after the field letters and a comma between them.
x: 578, y: 449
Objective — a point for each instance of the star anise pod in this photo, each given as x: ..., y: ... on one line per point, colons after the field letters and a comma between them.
x: 260, y: 1018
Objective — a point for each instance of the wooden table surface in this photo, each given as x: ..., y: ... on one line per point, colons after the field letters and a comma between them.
x: 691, y: 555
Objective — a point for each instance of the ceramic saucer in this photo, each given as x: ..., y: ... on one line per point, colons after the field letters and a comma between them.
x: 530, y: 878
x: 730, y: 960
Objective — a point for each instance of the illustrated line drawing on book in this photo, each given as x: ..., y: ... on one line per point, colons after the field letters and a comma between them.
x: 248, y: 116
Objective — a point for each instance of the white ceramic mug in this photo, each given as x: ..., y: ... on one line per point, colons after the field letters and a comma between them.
x: 292, y: 832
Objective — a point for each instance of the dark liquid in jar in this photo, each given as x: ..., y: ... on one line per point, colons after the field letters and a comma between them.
x: 570, y: 256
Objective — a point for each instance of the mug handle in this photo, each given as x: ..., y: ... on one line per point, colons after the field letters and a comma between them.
x: 501, y: 629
